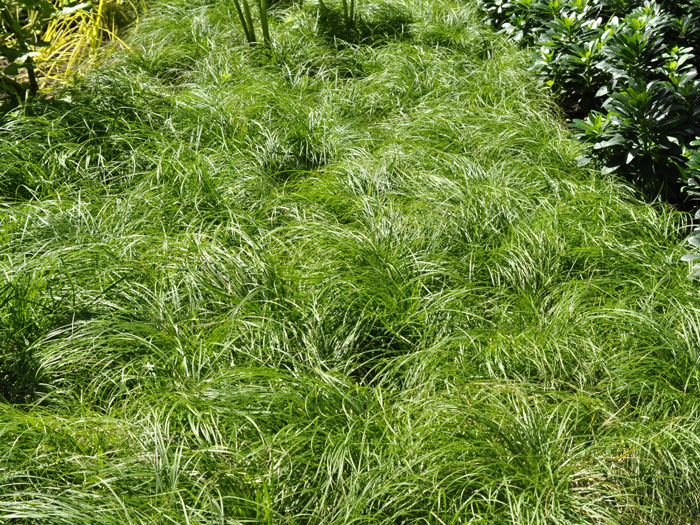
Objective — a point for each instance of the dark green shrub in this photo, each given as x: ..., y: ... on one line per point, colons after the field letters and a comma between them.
x: 629, y: 68
x: 640, y: 132
x: 570, y: 53
x: 650, y: 103
x: 692, y: 172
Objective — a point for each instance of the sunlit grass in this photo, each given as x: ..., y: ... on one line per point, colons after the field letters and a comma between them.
x: 336, y: 283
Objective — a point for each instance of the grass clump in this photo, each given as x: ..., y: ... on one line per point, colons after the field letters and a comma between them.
x: 333, y: 284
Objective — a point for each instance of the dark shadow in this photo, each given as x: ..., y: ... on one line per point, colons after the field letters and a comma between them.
x: 372, y: 25
x: 18, y: 373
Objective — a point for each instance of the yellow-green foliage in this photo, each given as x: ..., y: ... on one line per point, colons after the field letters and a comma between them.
x: 76, y: 40
x: 47, y: 40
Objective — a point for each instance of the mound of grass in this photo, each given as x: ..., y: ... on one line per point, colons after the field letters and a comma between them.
x: 333, y: 284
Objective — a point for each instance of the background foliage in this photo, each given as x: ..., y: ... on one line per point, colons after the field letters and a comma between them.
x: 21, y: 25
x: 48, y: 40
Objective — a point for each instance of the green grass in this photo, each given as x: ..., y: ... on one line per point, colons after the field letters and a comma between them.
x: 338, y: 283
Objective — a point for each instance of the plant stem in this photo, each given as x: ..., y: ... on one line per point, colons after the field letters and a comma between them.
x: 249, y: 22
x: 33, y: 84
x: 9, y: 84
x: 263, y: 22
x: 244, y: 25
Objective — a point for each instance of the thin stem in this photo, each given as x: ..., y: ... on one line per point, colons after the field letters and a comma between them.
x: 249, y: 22
x: 7, y: 83
x: 33, y: 84
x: 241, y: 17
x: 263, y: 21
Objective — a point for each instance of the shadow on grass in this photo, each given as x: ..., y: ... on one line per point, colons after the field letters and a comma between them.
x: 85, y: 126
x: 21, y: 315
x: 373, y: 25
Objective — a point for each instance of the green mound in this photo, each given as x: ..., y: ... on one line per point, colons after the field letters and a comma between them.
x: 343, y: 283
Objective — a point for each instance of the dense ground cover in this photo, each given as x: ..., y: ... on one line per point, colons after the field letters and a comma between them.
x: 352, y: 283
